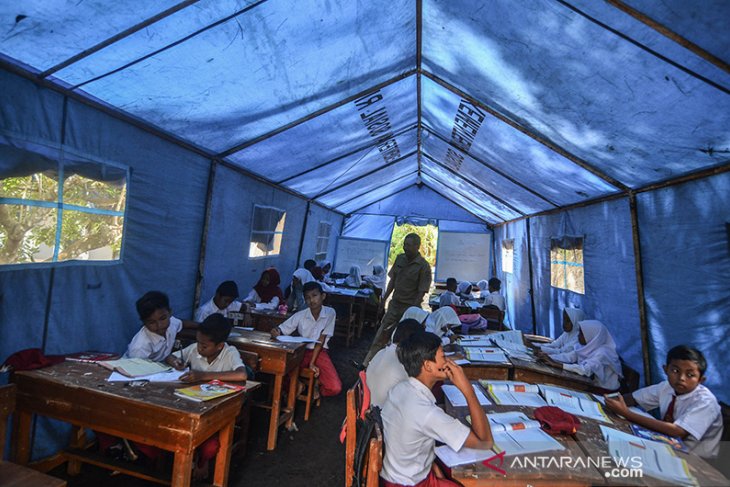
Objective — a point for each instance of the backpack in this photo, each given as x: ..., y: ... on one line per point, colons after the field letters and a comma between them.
x: 364, y: 433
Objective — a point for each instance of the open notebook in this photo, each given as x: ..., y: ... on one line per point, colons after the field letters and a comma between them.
x: 485, y: 354
x: 512, y: 393
x: 578, y: 403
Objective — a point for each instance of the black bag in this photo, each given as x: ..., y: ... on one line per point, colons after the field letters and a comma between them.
x: 364, y: 432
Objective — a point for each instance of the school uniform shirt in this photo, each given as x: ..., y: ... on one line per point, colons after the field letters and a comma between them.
x: 227, y: 361
x: 448, y: 298
x: 210, y: 308
x: 253, y: 297
x: 149, y: 345
x: 696, y: 412
x: 412, y: 423
x: 496, y: 299
x: 308, y: 327
x: 383, y: 372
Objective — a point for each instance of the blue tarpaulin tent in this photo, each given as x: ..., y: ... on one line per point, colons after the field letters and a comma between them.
x: 534, y: 120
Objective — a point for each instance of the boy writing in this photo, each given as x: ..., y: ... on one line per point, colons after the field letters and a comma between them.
x: 449, y: 296
x: 157, y: 337
x: 688, y: 409
x: 316, y: 322
x: 412, y: 422
x: 223, y: 302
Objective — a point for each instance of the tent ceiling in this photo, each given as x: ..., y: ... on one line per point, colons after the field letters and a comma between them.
x: 504, y: 108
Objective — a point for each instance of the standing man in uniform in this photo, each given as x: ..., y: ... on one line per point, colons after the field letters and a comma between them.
x: 410, y: 279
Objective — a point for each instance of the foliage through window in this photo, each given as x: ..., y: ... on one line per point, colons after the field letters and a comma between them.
x: 566, y: 264
x: 508, y: 255
x: 323, y: 241
x: 61, y: 212
x: 267, y: 230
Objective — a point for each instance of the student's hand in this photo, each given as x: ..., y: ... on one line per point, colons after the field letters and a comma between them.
x: 275, y: 332
x: 192, y: 376
x: 315, y: 369
x: 616, y: 404
x: 456, y: 375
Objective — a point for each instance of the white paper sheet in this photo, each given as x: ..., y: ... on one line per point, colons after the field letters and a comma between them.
x: 291, y: 339
x: 506, y: 398
x: 457, y: 398
x: 464, y: 456
x: 169, y: 376
x: 461, y: 361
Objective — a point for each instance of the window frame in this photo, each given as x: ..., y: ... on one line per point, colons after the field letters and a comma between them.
x: 274, y: 232
x: 60, y: 206
x: 326, y: 238
x: 565, y: 244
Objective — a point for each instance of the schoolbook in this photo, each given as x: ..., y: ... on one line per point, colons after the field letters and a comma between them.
x: 516, y: 434
x: 91, y: 356
x: 673, y: 441
x: 208, y: 391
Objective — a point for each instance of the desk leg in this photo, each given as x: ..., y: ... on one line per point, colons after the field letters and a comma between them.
x: 21, y: 437
x: 275, y: 407
x: 182, y: 468
x: 223, y: 458
x: 78, y: 441
x: 292, y: 397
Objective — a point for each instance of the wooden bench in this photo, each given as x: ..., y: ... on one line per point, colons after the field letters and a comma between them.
x: 12, y: 475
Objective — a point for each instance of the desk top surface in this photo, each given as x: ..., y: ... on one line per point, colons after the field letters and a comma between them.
x: 79, y: 377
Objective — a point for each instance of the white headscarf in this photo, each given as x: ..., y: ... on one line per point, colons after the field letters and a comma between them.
x: 415, y: 313
x: 464, y: 287
x: 599, y: 352
x: 378, y: 277
x: 439, y: 321
x: 576, y: 315
x: 355, y: 278
x: 483, y: 286
x: 303, y: 275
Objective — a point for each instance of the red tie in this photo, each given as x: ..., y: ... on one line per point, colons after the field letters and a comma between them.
x: 669, y: 415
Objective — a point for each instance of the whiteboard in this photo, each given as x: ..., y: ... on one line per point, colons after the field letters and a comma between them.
x: 360, y: 251
x: 464, y: 256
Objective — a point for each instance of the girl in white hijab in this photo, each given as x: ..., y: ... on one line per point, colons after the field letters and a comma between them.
x: 483, y: 286
x: 378, y: 277
x: 354, y: 279
x: 295, y: 301
x: 415, y: 313
x: 463, y: 290
x: 567, y: 341
x: 440, y: 321
x: 594, y: 355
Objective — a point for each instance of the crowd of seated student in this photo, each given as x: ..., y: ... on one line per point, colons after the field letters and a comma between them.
x: 267, y: 292
x: 317, y: 322
x: 688, y: 409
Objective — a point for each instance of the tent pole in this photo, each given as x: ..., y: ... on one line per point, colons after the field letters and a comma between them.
x: 530, y: 133
x: 640, y: 288
x: 304, y: 232
x: 204, y: 237
x: 489, y: 166
x: 532, y: 283
x: 419, y: 57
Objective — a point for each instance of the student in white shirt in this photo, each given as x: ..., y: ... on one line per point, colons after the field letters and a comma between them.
x: 449, y: 297
x: 316, y: 322
x: 295, y: 300
x: 567, y: 340
x: 211, y: 358
x: 494, y: 297
x: 440, y: 322
x: 412, y: 423
x: 157, y: 337
x: 267, y: 292
x: 385, y: 370
x: 223, y: 302
x: 688, y: 409
x: 595, y: 355
x: 354, y: 279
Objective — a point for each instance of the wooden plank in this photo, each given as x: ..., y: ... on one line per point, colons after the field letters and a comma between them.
x: 12, y: 475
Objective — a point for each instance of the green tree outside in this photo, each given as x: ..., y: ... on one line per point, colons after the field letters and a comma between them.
x: 429, y: 238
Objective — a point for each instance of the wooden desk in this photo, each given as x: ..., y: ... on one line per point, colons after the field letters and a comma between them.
x: 78, y: 393
x: 265, y: 320
x: 537, y: 373
x: 527, y: 473
x: 359, y: 301
x: 279, y: 359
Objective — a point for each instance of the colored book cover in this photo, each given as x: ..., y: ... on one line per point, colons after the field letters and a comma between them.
x: 208, y: 391
x: 673, y: 441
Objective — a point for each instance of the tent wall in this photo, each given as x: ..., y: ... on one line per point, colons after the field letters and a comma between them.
x: 685, y: 249
x: 92, y: 306
x: 229, y: 232
x: 515, y: 285
x: 609, y: 267
x: 373, y: 227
